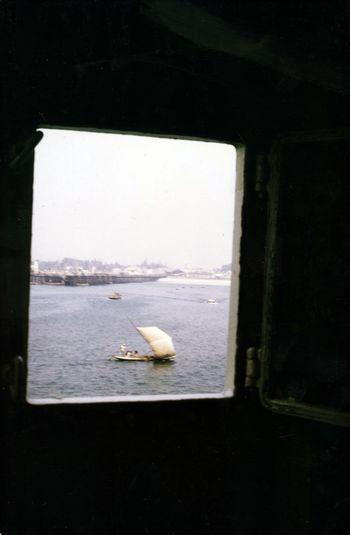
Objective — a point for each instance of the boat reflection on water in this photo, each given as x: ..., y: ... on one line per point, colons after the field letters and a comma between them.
x: 164, y: 362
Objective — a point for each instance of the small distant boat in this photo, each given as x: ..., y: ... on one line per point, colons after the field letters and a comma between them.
x: 211, y: 301
x: 115, y: 295
x: 159, y: 341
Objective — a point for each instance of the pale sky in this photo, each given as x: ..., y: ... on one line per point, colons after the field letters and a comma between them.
x: 126, y: 198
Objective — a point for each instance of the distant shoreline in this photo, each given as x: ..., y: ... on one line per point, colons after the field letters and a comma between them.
x: 209, y: 282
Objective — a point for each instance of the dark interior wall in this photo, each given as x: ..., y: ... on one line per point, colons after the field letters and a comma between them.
x: 124, y: 65
x: 168, y: 68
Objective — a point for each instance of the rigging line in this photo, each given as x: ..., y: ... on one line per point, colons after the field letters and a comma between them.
x: 132, y: 323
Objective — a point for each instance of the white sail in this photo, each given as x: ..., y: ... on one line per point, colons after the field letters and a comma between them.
x: 160, y: 342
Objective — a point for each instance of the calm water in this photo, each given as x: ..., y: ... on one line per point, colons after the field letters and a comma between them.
x: 74, y: 330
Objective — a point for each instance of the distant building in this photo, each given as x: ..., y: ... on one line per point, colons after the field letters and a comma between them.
x: 35, y: 267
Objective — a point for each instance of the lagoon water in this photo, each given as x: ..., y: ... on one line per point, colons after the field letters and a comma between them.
x: 73, y: 330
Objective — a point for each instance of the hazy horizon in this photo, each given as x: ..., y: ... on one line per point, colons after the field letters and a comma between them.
x: 127, y: 198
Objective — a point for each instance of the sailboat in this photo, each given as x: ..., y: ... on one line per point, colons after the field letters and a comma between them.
x: 159, y: 341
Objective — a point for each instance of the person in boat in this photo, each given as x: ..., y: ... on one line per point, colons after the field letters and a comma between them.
x: 122, y: 349
x: 132, y: 354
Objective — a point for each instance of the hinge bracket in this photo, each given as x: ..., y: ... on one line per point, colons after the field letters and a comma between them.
x: 252, y: 375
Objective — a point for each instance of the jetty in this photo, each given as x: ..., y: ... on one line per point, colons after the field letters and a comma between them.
x: 89, y: 280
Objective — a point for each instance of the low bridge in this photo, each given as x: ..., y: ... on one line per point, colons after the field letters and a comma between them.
x: 90, y: 280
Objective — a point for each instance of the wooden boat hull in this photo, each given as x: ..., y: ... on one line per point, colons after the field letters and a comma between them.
x: 142, y: 358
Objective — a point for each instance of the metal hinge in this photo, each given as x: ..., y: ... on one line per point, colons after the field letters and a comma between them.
x: 252, y: 374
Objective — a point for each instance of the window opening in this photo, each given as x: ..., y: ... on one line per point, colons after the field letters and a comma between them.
x: 132, y: 261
